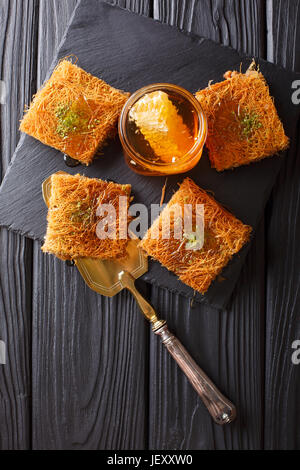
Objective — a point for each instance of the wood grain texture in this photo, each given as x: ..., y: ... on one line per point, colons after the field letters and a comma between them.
x: 15, y: 331
x: 89, y: 364
x: 54, y: 17
x: 18, y: 39
x: 228, y: 345
x: 283, y: 40
x: 90, y: 354
x: 239, y: 24
x: 282, y: 387
x: 142, y: 7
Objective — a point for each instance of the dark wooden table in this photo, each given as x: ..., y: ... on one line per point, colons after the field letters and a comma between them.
x: 84, y: 371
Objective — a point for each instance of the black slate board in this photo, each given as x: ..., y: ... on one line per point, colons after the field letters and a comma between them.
x: 128, y: 52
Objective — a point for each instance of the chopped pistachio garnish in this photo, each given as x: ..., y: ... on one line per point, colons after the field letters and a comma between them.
x: 195, y: 240
x: 82, y: 213
x: 125, y: 188
x: 248, y: 122
x: 72, y: 119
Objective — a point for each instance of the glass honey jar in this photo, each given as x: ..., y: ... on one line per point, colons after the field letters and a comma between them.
x: 163, y: 129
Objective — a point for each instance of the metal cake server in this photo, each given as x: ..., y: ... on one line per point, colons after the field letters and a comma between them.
x: 108, y: 277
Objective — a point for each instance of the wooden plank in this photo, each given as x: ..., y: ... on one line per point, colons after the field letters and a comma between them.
x: 89, y: 364
x: 90, y: 354
x: 235, y: 23
x: 283, y: 41
x: 227, y: 344
x: 282, y: 386
x: 54, y: 17
x: 142, y: 7
x: 15, y: 331
x: 18, y: 35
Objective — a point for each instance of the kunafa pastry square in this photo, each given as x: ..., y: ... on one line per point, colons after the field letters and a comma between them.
x: 74, y: 112
x: 72, y: 217
x: 197, y: 265
x: 243, y: 124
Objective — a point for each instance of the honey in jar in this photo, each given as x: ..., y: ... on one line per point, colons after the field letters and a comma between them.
x: 162, y: 129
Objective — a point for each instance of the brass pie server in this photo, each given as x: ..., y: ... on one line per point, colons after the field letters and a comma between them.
x: 108, y: 277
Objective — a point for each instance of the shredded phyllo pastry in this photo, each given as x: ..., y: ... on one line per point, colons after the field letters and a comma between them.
x: 72, y: 217
x: 243, y: 124
x: 74, y: 112
x: 196, y: 264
